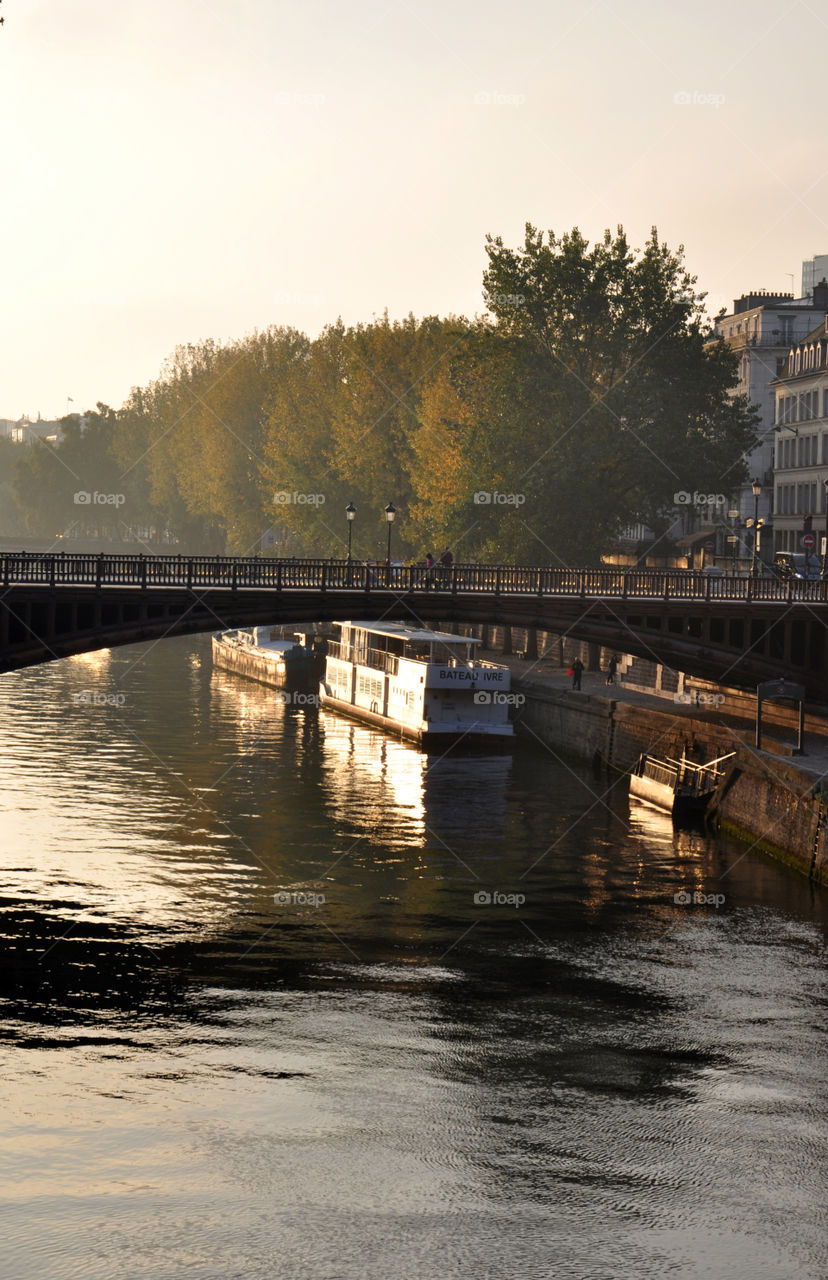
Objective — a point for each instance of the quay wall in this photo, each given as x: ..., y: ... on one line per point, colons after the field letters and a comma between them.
x: 777, y: 807
x: 769, y: 803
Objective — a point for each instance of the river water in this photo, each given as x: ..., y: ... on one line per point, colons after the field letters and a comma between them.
x: 282, y: 997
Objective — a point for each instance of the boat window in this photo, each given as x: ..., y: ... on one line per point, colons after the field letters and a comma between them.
x: 450, y: 654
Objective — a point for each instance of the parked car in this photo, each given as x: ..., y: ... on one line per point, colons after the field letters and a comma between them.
x: 794, y: 564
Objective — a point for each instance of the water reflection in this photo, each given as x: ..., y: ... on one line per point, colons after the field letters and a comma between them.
x: 588, y: 1084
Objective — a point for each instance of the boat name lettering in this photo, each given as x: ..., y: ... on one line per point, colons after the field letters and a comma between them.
x: 454, y: 674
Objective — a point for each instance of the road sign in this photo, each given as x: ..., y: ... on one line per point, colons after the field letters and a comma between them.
x: 808, y: 541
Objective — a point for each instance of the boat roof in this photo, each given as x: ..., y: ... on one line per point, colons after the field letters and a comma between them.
x: 404, y: 631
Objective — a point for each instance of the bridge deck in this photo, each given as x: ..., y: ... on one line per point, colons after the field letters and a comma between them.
x: 256, y: 573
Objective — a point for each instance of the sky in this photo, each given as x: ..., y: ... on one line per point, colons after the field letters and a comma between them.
x: 176, y: 170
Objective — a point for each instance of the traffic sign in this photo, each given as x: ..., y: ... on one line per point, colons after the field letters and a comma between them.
x: 808, y: 541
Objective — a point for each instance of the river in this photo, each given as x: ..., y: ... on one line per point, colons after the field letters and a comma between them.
x: 283, y: 997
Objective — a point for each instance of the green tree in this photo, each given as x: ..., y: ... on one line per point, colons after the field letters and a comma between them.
x: 635, y: 397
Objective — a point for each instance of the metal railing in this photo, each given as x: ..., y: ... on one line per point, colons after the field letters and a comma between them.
x: 378, y: 659
x: 198, y: 573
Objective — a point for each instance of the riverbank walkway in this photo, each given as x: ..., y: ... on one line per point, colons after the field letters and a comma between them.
x: 779, y: 720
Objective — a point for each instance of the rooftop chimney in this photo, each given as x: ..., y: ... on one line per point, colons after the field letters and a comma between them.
x: 821, y: 295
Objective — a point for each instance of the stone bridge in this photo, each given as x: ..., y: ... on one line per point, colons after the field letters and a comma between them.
x: 736, y: 630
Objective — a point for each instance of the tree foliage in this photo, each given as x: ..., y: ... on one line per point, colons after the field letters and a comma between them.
x: 589, y: 395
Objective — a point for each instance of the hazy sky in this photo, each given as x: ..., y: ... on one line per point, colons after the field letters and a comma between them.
x: 174, y: 170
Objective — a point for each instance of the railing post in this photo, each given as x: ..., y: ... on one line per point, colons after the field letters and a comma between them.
x: 233, y: 579
x: 99, y: 572
x: 52, y: 571
x: 323, y: 579
x: 143, y: 567
x: 497, y: 581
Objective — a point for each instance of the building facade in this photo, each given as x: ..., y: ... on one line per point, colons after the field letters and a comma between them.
x: 813, y: 271
x: 761, y: 331
x: 801, y: 463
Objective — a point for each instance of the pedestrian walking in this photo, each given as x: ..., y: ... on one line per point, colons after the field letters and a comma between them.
x: 446, y: 561
x: 576, y: 671
x: 612, y: 667
x: 429, y: 573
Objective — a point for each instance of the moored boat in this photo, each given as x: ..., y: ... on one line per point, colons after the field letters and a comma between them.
x: 682, y: 787
x: 293, y: 662
x: 425, y: 686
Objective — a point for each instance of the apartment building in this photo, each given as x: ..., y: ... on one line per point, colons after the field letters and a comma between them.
x: 801, y: 462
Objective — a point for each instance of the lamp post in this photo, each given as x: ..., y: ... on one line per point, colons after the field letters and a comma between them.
x: 756, y: 489
x: 825, y: 553
x: 350, y: 512
x: 733, y: 537
x: 390, y: 512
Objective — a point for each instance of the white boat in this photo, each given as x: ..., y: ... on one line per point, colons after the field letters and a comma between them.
x: 423, y: 685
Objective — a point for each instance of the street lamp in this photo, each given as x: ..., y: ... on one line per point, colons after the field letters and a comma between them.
x: 390, y: 512
x: 733, y: 537
x: 350, y: 512
x: 756, y: 489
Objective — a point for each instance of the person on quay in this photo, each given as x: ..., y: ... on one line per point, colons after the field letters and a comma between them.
x: 612, y: 667
x: 577, y: 670
x: 429, y: 573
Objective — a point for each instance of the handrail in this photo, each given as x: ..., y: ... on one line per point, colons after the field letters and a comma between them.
x: 196, y: 573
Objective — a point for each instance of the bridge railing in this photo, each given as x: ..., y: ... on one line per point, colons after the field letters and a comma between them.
x: 244, y: 573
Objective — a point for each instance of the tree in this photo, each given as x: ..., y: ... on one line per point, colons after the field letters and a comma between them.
x: 635, y: 396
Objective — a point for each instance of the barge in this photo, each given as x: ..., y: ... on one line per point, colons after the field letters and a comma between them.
x: 294, y: 662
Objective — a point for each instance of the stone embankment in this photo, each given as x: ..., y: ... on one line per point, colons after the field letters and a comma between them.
x: 773, y: 800
x: 773, y: 804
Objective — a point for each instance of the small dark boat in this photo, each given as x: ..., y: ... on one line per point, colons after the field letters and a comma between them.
x: 681, y: 787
